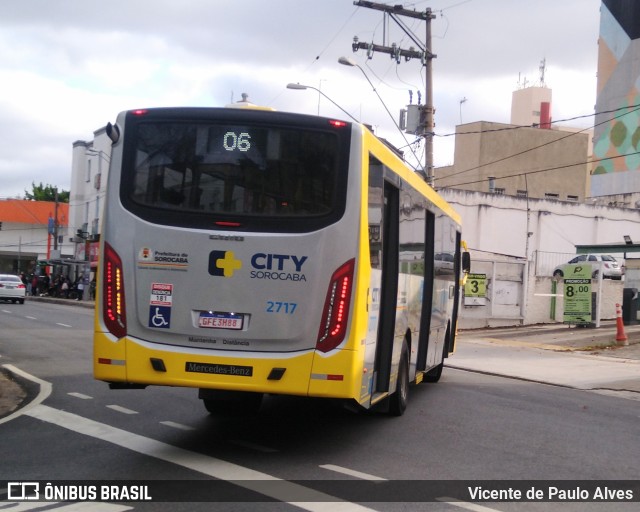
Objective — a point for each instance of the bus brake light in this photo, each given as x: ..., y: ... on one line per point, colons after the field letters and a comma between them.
x: 227, y: 224
x: 113, y: 293
x: 335, y: 315
x: 337, y: 124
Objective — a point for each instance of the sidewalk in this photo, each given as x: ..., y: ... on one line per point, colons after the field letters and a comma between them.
x: 90, y: 304
x: 581, y: 358
x: 564, y: 338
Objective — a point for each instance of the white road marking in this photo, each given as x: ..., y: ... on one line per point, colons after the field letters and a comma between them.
x: 467, y: 506
x: 31, y: 317
x: 176, y: 425
x: 63, y: 325
x: 6, y: 311
x: 43, y: 393
x: 121, y: 409
x: 210, y: 466
x: 80, y: 395
x: 93, y: 507
x: 25, y: 506
x: 352, y: 472
x: 22, y: 506
x: 255, y: 481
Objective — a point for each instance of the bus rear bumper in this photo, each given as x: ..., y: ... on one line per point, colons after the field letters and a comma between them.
x: 129, y: 362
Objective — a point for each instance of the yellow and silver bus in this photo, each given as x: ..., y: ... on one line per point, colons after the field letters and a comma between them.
x: 247, y: 252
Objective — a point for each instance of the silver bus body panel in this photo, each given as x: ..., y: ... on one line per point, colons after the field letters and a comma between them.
x: 276, y: 283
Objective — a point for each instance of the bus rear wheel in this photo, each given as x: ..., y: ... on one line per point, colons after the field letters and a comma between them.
x: 398, y: 401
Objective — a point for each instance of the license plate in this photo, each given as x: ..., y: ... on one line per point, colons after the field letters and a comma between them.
x: 220, y: 321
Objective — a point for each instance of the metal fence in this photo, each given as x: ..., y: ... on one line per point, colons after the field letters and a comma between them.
x: 546, y: 262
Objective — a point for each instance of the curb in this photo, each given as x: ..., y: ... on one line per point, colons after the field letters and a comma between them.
x: 584, y: 351
x: 591, y: 354
x: 87, y: 304
x: 35, y: 389
x: 29, y: 388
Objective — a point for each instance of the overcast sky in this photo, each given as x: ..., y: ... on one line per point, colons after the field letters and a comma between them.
x: 67, y: 67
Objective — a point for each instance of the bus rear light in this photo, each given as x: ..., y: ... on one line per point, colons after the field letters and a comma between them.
x: 113, y: 303
x: 227, y: 224
x: 114, y: 362
x: 327, y: 376
x: 335, y: 315
x: 140, y: 112
x: 337, y: 124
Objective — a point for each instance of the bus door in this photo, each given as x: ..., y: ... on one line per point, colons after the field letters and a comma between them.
x: 427, y: 293
x: 384, y: 255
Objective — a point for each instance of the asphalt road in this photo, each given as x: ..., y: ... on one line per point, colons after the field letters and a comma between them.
x: 470, y: 426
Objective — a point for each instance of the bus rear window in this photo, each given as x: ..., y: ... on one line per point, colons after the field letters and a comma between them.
x: 199, y: 174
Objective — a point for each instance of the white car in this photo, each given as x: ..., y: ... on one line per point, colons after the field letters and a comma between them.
x: 610, y: 267
x: 12, y: 288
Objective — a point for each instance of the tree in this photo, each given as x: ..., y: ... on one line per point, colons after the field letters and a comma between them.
x: 46, y: 193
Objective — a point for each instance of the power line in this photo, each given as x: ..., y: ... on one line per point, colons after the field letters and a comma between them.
x: 33, y: 243
x: 519, y: 127
x: 40, y: 227
x: 317, y: 58
x: 635, y: 107
x: 543, y: 170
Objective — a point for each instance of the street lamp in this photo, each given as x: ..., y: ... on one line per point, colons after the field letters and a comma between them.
x: 101, y: 156
x: 346, y: 61
x: 320, y: 93
x: 100, y: 153
x: 463, y: 100
x: 301, y: 87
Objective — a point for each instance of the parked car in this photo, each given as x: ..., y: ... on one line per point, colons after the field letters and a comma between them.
x: 12, y: 288
x: 610, y: 267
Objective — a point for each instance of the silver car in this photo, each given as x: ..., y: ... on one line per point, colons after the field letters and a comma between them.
x: 12, y: 288
x: 610, y: 267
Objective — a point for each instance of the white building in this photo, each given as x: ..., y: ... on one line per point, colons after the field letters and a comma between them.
x: 27, y: 234
x: 517, y: 242
x: 89, y: 171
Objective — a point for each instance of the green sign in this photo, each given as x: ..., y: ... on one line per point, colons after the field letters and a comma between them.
x: 475, y: 290
x: 476, y: 285
x: 577, y: 294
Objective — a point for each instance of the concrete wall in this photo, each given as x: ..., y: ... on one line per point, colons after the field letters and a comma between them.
x: 522, y: 161
x: 544, y: 302
x: 540, y: 302
x: 506, y: 236
x: 518, y: 227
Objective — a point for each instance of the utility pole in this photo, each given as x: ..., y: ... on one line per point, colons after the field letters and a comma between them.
x: 55, y: 222
x: 423, y: 53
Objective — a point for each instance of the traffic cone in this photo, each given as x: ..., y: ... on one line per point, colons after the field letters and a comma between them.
x: 621, y: 337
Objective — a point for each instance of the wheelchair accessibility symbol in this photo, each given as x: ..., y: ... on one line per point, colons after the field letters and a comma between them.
x: 160, y: 317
